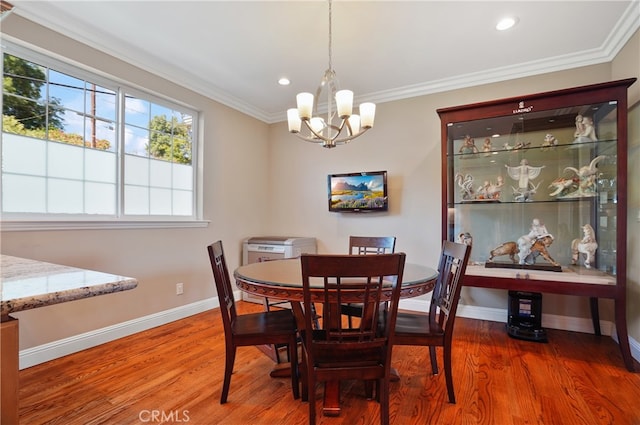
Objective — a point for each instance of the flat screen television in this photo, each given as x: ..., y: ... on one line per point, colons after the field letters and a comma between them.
x: 358, y: 192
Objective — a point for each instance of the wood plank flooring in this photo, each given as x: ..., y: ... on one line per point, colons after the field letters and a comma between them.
x: 173, y: 374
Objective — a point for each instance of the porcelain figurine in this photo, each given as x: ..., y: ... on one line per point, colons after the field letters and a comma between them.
x: 490, y: 190
x: 586, y: 246
x: 524, y: 173
x: 465, y: 238
x: 466, y: 186
x: 487, y: 147
x: 538, y: 248
x: 525, y: 243
x: 549, y: 142
x: 585, y: 131
x: 582, y: 181
x: 563, y: 186
x: 468, y: 146
x: 521, y: 145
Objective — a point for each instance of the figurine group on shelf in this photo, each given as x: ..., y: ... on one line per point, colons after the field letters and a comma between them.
x: 581, y: 182
x: 487, y: 191
x: 576, y: 183
x: 584, y: 133
x: 536, y: 243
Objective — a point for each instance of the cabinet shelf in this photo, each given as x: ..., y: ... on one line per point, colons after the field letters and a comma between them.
x: 482, y: 155
x: 549, y: 166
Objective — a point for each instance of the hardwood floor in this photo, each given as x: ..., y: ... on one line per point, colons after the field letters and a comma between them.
x: 173, y: 374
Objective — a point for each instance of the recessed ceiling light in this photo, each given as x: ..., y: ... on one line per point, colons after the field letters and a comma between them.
x: 284, y: 81
x: 506, y: 23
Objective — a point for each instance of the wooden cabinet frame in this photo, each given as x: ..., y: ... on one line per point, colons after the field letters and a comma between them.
x: 541, y: 113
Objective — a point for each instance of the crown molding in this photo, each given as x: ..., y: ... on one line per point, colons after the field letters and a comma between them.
x: 629, y: 23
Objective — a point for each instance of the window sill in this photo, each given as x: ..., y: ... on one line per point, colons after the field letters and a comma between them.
x: 24, y: 226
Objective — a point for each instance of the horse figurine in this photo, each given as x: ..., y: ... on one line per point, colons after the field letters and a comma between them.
x: 587, y: 246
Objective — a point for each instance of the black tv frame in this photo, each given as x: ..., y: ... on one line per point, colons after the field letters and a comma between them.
x: 380, y: 206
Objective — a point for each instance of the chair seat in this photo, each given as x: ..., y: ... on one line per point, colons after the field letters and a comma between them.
x: 274, y: 325
x: 418, y: 327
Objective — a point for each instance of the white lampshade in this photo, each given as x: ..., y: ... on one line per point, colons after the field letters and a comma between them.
x: 344, y: 103
x: 354, y: 123
x: 294, y: 120
x: 305, y: 105
x: 367, y: 114
x: 317, y: 124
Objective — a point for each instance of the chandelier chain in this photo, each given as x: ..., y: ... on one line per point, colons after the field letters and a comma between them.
x: 330, y: 38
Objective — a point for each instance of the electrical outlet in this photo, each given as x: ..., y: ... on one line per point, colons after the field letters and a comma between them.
x: 179, y: 288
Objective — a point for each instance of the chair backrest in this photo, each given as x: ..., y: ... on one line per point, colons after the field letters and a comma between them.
x: 446, y: 293
x: 363, y: 245
x: 337, y: 278
x: 223, y: 285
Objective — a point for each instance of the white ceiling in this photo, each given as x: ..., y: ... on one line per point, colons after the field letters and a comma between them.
x: 235, y: 51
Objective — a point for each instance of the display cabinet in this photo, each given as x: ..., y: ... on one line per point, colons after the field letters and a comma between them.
x: 537, y: 185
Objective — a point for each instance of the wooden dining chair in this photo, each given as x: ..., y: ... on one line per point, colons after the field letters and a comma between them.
x: 366, y: 245
x: 436, y: 328
x: 272, y: 327
x: 337, y: 352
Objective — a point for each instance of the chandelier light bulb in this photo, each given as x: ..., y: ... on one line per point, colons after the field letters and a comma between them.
x: 344, y: 103
x: 305, y: 105
x: 293, y: 117
x: 317, y: 125
x: 367, y: 114
x: 354, y: 124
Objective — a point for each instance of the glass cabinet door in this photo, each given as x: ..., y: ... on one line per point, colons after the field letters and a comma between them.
x: 552, y: 169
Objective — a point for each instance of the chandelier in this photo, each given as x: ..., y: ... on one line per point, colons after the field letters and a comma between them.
x: 329, y: 131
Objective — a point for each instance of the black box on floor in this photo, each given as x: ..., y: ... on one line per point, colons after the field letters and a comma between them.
x: 525, y: 316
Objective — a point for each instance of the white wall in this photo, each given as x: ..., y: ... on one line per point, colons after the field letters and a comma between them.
x: 239, y: 152
x: 628, y: 62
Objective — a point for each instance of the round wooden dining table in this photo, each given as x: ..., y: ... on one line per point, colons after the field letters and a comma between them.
x: 282, y: 279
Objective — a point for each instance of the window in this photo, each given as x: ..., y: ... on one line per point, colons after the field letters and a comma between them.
x: 76, y: 146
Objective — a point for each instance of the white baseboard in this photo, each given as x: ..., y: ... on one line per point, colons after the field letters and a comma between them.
x: 53, y: 350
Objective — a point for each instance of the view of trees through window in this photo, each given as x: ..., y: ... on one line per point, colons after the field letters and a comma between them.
x: 40, y: 103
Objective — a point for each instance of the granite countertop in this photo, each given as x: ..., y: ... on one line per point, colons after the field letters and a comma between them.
x: 27, y: 284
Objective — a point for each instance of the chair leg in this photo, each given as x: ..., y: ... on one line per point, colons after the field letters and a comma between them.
x: 303, y: 376
x: 311, y: 395
x: 228, y: 370
x: 447, y: 374
x: 434, y: 360
x: 293, y: 360
x: 383, y: 399
x: 368, y: 389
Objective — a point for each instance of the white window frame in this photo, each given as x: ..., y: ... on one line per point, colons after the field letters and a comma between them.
x: 44, y: 221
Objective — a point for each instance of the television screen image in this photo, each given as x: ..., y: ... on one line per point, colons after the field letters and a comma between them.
x: 358, y: 192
